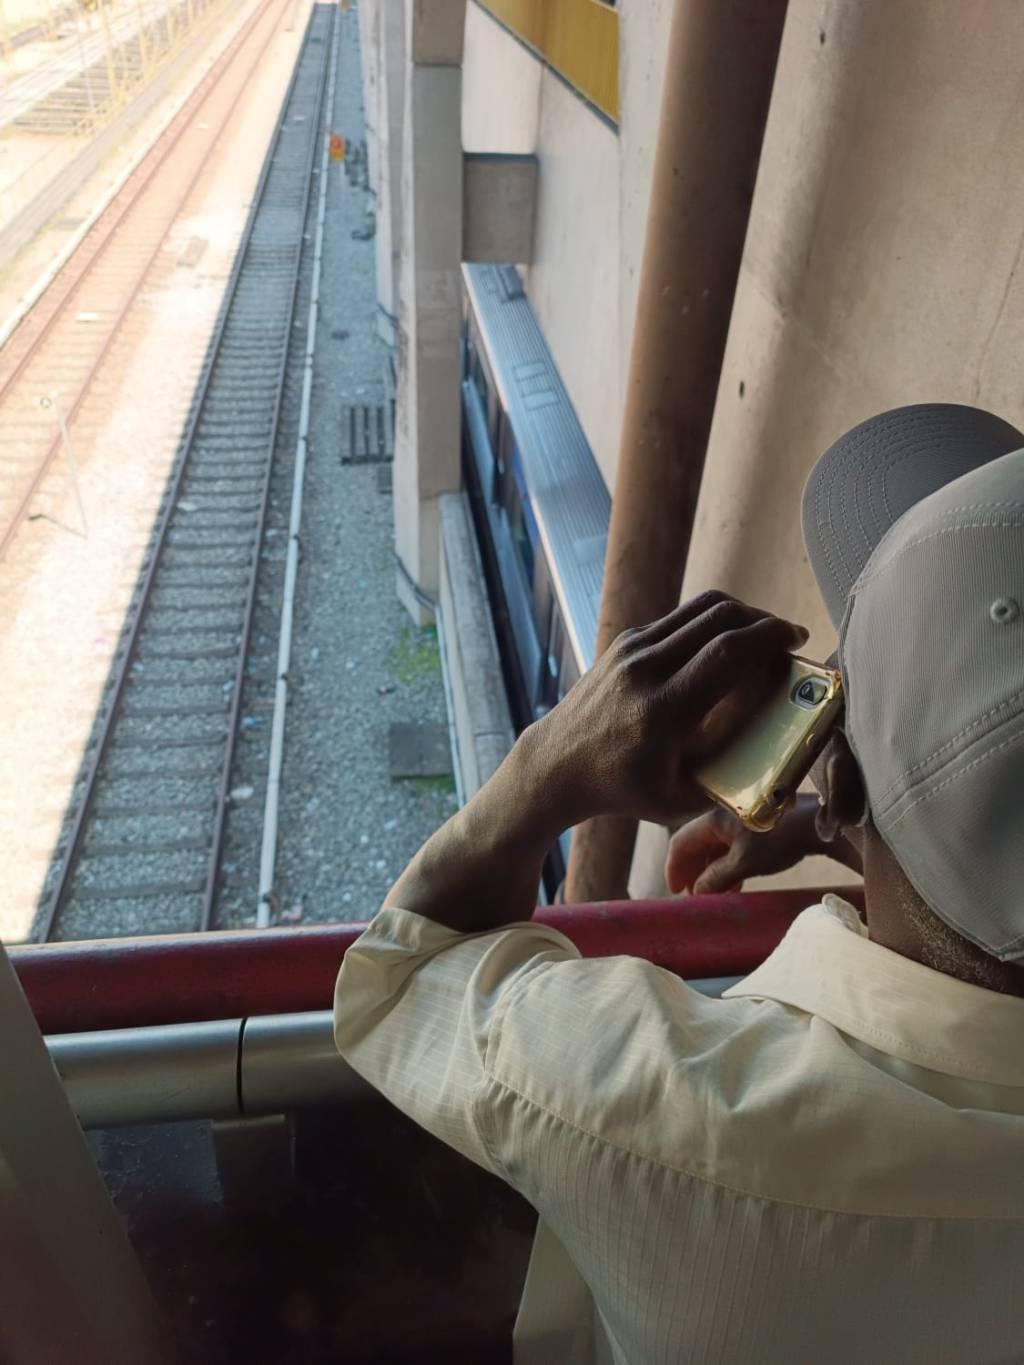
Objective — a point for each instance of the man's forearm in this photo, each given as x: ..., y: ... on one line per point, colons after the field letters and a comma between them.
x: 482, y: 869
x: 625, y: 740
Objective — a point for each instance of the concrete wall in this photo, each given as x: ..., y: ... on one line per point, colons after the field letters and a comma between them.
x: 369, y: 18
x: 427, y: 426
x: 390, y: 58
x: 592, y: 203
x: 881, y: 268
x: 573, y: 282
x: 513, y: 103
x: 500, y: 88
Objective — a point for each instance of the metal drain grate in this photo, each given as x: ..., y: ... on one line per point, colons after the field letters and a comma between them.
x: 368, y: 430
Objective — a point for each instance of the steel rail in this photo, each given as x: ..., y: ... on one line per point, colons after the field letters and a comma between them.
x: 159, y: 155
x: 210, y: 890
x: 268, y: 850
x: 127, y: 648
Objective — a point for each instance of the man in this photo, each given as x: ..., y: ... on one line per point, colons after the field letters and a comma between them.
x: 826, y: 1165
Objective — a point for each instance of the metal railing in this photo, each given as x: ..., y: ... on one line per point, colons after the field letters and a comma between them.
x: 235, y: 1024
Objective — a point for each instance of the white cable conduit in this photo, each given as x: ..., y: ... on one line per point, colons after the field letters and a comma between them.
x: 268, y: 850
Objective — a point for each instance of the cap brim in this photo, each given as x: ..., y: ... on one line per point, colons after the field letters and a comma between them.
x: 865, y: 482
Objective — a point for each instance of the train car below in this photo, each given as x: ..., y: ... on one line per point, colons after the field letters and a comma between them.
x: 540, y: 505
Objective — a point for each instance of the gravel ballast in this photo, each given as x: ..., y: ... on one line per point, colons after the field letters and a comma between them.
x: 358, y: 662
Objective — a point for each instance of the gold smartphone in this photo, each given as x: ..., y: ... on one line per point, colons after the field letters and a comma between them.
x: 766, y: 762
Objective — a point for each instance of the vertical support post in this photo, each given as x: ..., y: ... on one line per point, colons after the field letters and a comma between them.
x: 71, y: 1288
x: 143, y: 41
x: 427, y: 458
x: 84, y: 66
x: 719, y: 73
x: 108, y: 48
x: 6, y: 46
x: 65, y: 439
x: 390, y: 120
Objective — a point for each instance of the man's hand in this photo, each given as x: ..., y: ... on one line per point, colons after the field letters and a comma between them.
x: 716, y: 853
x: 626, y: 740
x: 662, y: 700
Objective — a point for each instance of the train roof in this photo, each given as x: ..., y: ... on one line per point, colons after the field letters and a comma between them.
x: 567, y: 493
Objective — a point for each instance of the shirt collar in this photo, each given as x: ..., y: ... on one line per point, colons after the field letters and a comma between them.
x: 828, y: 966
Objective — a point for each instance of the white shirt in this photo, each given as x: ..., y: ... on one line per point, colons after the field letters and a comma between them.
x: 826, y: 1165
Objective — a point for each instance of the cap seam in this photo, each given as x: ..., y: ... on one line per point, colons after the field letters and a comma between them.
x: 958, y: 772
x: 980, y: 506
x: 974, y: 725
x: 869, y: 577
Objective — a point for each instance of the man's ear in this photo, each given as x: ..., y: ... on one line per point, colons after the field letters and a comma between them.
x: 844, y: 801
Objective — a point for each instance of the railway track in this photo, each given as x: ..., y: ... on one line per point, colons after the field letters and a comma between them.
x: 62, y: 345
x: 149, y: 811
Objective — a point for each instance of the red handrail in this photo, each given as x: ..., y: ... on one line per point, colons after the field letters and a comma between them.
x: 125, y: 983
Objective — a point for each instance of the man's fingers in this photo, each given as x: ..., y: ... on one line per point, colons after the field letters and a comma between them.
x: 690, y: 851
x: 686, y: 611
x: 726, y: 660
x: 681, y: 645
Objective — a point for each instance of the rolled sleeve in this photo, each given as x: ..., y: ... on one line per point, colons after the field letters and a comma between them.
x: 416, y: 1007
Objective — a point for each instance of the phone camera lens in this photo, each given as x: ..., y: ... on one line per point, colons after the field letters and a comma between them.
x: 810, y: 693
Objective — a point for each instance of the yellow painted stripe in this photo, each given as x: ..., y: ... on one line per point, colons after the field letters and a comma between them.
x: 578, y: 38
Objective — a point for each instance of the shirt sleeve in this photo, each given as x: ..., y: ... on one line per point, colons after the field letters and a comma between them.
x: 415, y: 1010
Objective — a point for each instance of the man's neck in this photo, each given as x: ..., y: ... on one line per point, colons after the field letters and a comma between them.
x: 898, y: 919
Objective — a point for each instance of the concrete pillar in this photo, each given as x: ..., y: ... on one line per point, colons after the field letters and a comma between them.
x: 390, y: 118
x: 427, y: 462
x: 370, y: 22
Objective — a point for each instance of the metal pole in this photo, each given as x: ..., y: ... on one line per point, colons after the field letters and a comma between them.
x: 71, y: 1288
x: 113, y: 80
x: 143, y: 41
x: 229, y: 1069
x: 719, y: 73
x: 6, y: 46
x: 53, y: 400
x: 85, y: 66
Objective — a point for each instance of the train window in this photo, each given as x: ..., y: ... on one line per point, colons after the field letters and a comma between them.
x: 478, y: 377
x: 513, y: 497
x: 479, y: 373
x: 569, y: 672
x: 543, y: 598
x: 550, y: 688
x: 520, y: 535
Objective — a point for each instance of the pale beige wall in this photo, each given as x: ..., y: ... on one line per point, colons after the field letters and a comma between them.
x: 513, y: 103
x: 573, y: 283
x: 500, y: 89
x: 881, y: 268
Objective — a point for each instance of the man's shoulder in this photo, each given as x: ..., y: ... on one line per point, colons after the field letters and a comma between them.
x: 602, y: 1041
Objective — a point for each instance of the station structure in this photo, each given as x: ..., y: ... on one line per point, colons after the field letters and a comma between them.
x: 722, y: 234
x: 848, y: 241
